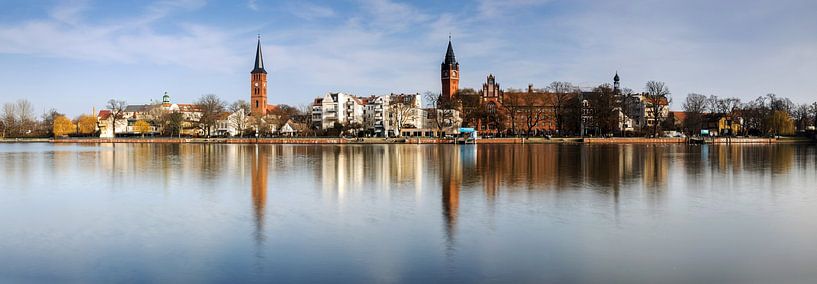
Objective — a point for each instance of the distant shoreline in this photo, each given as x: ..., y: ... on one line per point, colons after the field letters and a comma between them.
x: 328, y: 140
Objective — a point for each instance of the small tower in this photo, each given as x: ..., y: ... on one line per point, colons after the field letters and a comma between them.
x: 450, y: 73
x: 616, y: 85
x: 258, y: 84
x: 166, y: 100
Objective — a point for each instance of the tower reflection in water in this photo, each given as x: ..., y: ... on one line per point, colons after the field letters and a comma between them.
x: 501, y: 171
x: 260, y: 172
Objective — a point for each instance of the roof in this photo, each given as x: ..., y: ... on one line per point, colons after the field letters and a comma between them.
x: 104, y: 114
x: 223, y: 115
x: 679, y: 115
x: 525, y: 98
x: 299, y: 127
x: 450, y: 61
x: 271, y: 108
x: 188, y: 108
x: 661, y: 101
x: 259, y: 59
x: 137, y: 108
x: 449, y: 54
x: 357, y: 100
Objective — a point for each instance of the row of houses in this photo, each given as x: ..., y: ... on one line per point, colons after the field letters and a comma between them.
x: 153, y: 118
x: 381, y: 116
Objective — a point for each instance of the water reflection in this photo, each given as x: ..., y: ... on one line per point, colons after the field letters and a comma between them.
x: 451, y: 169
x: 494, y: 168
x: 400, y: 213
x: 260, y: 172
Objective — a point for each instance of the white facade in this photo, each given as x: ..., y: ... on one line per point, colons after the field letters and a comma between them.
x: 338, y: 108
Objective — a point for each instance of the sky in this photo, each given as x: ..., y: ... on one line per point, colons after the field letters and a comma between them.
x: 76, y: 55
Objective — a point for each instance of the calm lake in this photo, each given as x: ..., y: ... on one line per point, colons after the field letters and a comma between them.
x: 408, y: 213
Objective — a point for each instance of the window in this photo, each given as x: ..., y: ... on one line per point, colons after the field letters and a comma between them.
x: 491, y: 107
x: 256, y: 104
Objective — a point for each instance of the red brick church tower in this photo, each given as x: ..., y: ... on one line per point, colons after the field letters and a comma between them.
x: 450, y: 73
x: 258, y: 84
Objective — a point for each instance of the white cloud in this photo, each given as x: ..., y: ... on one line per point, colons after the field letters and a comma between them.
x: 69, y: 12
x: 125, y: 41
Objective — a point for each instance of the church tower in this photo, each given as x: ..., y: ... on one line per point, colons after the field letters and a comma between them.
x: 616, y: 83
x: 450, y: 73
x: 258, y: 84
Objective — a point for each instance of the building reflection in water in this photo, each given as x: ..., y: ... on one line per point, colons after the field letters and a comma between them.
x: 259, y: 174
x: 498, y: 170
x: 451, y: 182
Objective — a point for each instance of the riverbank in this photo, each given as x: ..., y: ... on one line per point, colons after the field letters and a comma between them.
x: 330, y: 140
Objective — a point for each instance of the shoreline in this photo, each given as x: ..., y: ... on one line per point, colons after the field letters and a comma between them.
x: 327, y: 140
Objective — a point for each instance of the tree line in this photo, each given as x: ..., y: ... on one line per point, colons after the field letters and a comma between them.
x: 764, y: 115
x: 17, y: 120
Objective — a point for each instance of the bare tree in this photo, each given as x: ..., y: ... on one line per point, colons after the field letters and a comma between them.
x: 604, y: 106
x: 441, y: 111
x: 722, y: 105
x: 24, y: 116
x: 514, y: 107
x: 240, y: 110
x: 173, y: 122
x: 117, y: 108
x: 694, y: 106
x: 210, y: 107
x: 48, y: 118
x: 468, y: 103
x: 403, y: 108
x: 534, y: 111
x: 776, y: 103
x: 658, y: 99
x: 9, y: 118
x: 561, y: 93
x: 285, y: 112
x: 801, y: 116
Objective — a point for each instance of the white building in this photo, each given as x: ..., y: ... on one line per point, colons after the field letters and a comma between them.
x: 337, y: 108
x: 149, y: 113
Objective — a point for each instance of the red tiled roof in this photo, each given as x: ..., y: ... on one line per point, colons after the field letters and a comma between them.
x: 104, y: 114
x: 661, y: 101
x: 679, y: 115
x: 188, y: 108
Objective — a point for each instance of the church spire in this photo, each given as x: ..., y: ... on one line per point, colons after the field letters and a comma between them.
x: 450, y: 59
x: 259, y: 59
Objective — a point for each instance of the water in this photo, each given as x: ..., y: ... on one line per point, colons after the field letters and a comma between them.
x: 408, y: 213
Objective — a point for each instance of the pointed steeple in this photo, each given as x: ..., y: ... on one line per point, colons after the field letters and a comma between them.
x: 449, y: 54
x: 615, y: 78
x: 259, y: 59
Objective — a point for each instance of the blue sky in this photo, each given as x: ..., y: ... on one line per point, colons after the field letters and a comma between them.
x: 75, y: 55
